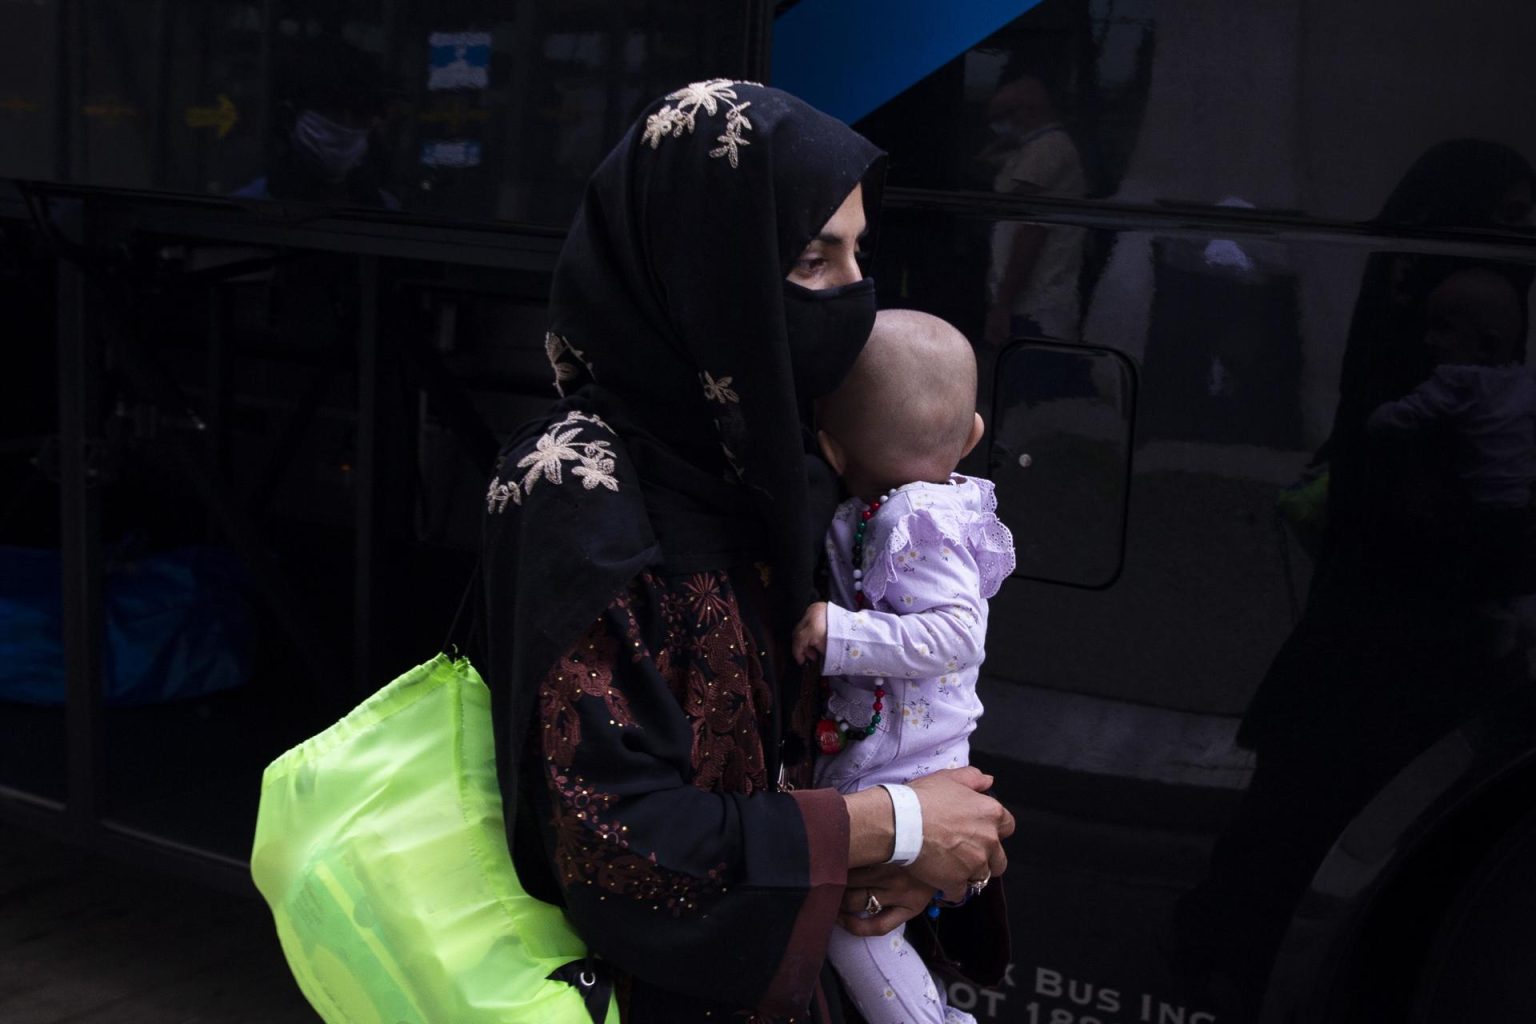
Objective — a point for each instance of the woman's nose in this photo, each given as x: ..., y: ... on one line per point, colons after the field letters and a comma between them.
x: 845, y: 271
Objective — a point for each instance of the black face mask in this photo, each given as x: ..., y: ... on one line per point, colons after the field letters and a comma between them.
x: 827, y: 330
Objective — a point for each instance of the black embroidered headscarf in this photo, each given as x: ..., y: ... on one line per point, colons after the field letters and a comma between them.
x: 668, y: 337
x: 668, y: 302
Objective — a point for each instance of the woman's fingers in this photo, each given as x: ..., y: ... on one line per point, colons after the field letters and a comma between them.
x: 886, y: 921
x: 963, y: 830
x: 898, y: 893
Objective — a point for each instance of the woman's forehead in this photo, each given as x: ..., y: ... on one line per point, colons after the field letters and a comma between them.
x: 847, y: 223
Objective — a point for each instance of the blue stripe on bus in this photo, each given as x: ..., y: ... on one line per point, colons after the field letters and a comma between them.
x: 848, y: 57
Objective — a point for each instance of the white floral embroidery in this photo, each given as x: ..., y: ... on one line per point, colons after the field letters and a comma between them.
x: 500, y: 493
x: 680, y: 120
x: 735, y: 123
x: 557, y: 446
x: 598, y: 472
x: 556, y: 348
x: 704, y: 94
x: 718, y: 390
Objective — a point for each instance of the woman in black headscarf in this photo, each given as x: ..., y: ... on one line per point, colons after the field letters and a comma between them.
x: 1394, y: 648
x: 648, y: 550
x: 1458, y: 183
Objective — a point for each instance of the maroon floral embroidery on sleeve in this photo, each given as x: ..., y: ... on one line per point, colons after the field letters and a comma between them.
x: 713, y: 668
x: 584, y: 671
x: 592, y: 850
x: 711, y: 663
x: 704, y: 592
x: 591, y: 846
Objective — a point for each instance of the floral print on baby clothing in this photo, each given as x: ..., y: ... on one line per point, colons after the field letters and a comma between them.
x: 933, y: 555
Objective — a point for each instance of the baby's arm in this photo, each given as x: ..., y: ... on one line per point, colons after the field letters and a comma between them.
x: 941, y: 625
x: 1436, y: 399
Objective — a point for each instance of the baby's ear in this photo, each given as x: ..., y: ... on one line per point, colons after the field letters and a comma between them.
x: 832, y: 451
x: 977, y: 429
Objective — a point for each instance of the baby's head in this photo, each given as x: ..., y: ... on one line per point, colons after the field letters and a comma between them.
x: 1474, y: 317
x: 907, y: 410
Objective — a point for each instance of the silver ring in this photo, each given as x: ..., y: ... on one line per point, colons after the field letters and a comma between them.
x: 872, y: 906
x: 975, y: 887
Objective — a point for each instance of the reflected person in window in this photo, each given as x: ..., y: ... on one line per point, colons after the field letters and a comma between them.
x: 328, y: 130
x: 1033, y: 281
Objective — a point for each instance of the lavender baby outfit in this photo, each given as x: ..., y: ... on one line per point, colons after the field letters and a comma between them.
x: 933, y: 555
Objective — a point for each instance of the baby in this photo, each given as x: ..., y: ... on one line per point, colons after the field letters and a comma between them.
x: 913, y: 557
x: 1476, y: 325
x: 1483, y: 399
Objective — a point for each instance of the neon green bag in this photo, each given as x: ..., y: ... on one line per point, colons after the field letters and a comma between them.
x: 379, y: 847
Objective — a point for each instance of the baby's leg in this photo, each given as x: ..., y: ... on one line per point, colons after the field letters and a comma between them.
x: 888, y: 980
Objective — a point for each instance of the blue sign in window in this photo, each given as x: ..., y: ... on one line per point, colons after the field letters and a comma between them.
x: 459, y: 60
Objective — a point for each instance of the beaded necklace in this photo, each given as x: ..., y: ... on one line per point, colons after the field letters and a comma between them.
x: 833, y: 733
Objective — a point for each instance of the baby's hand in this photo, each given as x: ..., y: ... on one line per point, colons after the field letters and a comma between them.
x: 810, y: 636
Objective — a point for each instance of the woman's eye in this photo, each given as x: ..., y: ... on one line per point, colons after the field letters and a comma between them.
x: 810, y: 264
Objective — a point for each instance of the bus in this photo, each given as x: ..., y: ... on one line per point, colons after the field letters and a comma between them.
x: 1249, y: 285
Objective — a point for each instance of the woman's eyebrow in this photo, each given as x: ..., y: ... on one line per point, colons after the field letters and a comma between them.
x: 830, y: 238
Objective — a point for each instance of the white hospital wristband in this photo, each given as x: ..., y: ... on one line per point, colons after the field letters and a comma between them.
x: 909, y: 823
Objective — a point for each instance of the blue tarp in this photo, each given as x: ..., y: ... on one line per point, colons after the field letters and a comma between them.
x: 178, y: 625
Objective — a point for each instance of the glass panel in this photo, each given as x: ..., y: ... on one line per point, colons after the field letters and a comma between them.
x: 472, y: 109
x: 1306, y: 601
x: 32, y: 741
x: 246, y: 554
x: 1284, y: 108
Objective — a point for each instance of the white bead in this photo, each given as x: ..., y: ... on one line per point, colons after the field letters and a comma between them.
x: 858, y: 574
x: 857, y: 585
x: 842, y: 726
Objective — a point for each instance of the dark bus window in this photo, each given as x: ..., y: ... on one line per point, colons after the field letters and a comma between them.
x: 466, y: 110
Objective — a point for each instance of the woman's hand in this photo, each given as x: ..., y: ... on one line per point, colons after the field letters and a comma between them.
x: 810, y: 636
x: 899, y: 896
x: 963, y: 830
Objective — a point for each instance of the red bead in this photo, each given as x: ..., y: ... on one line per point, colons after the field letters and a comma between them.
x: 868, y: 512
x: 879, y: 706
x: 829, y: 739
x: 879, y: 692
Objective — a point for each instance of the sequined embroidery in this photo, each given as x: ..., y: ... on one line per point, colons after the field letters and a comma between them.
x: 593, y: 851
x: 586, y: 671
x: 590, y: 845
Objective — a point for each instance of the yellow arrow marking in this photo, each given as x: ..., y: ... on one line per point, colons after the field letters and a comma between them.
x: 222, y: 117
